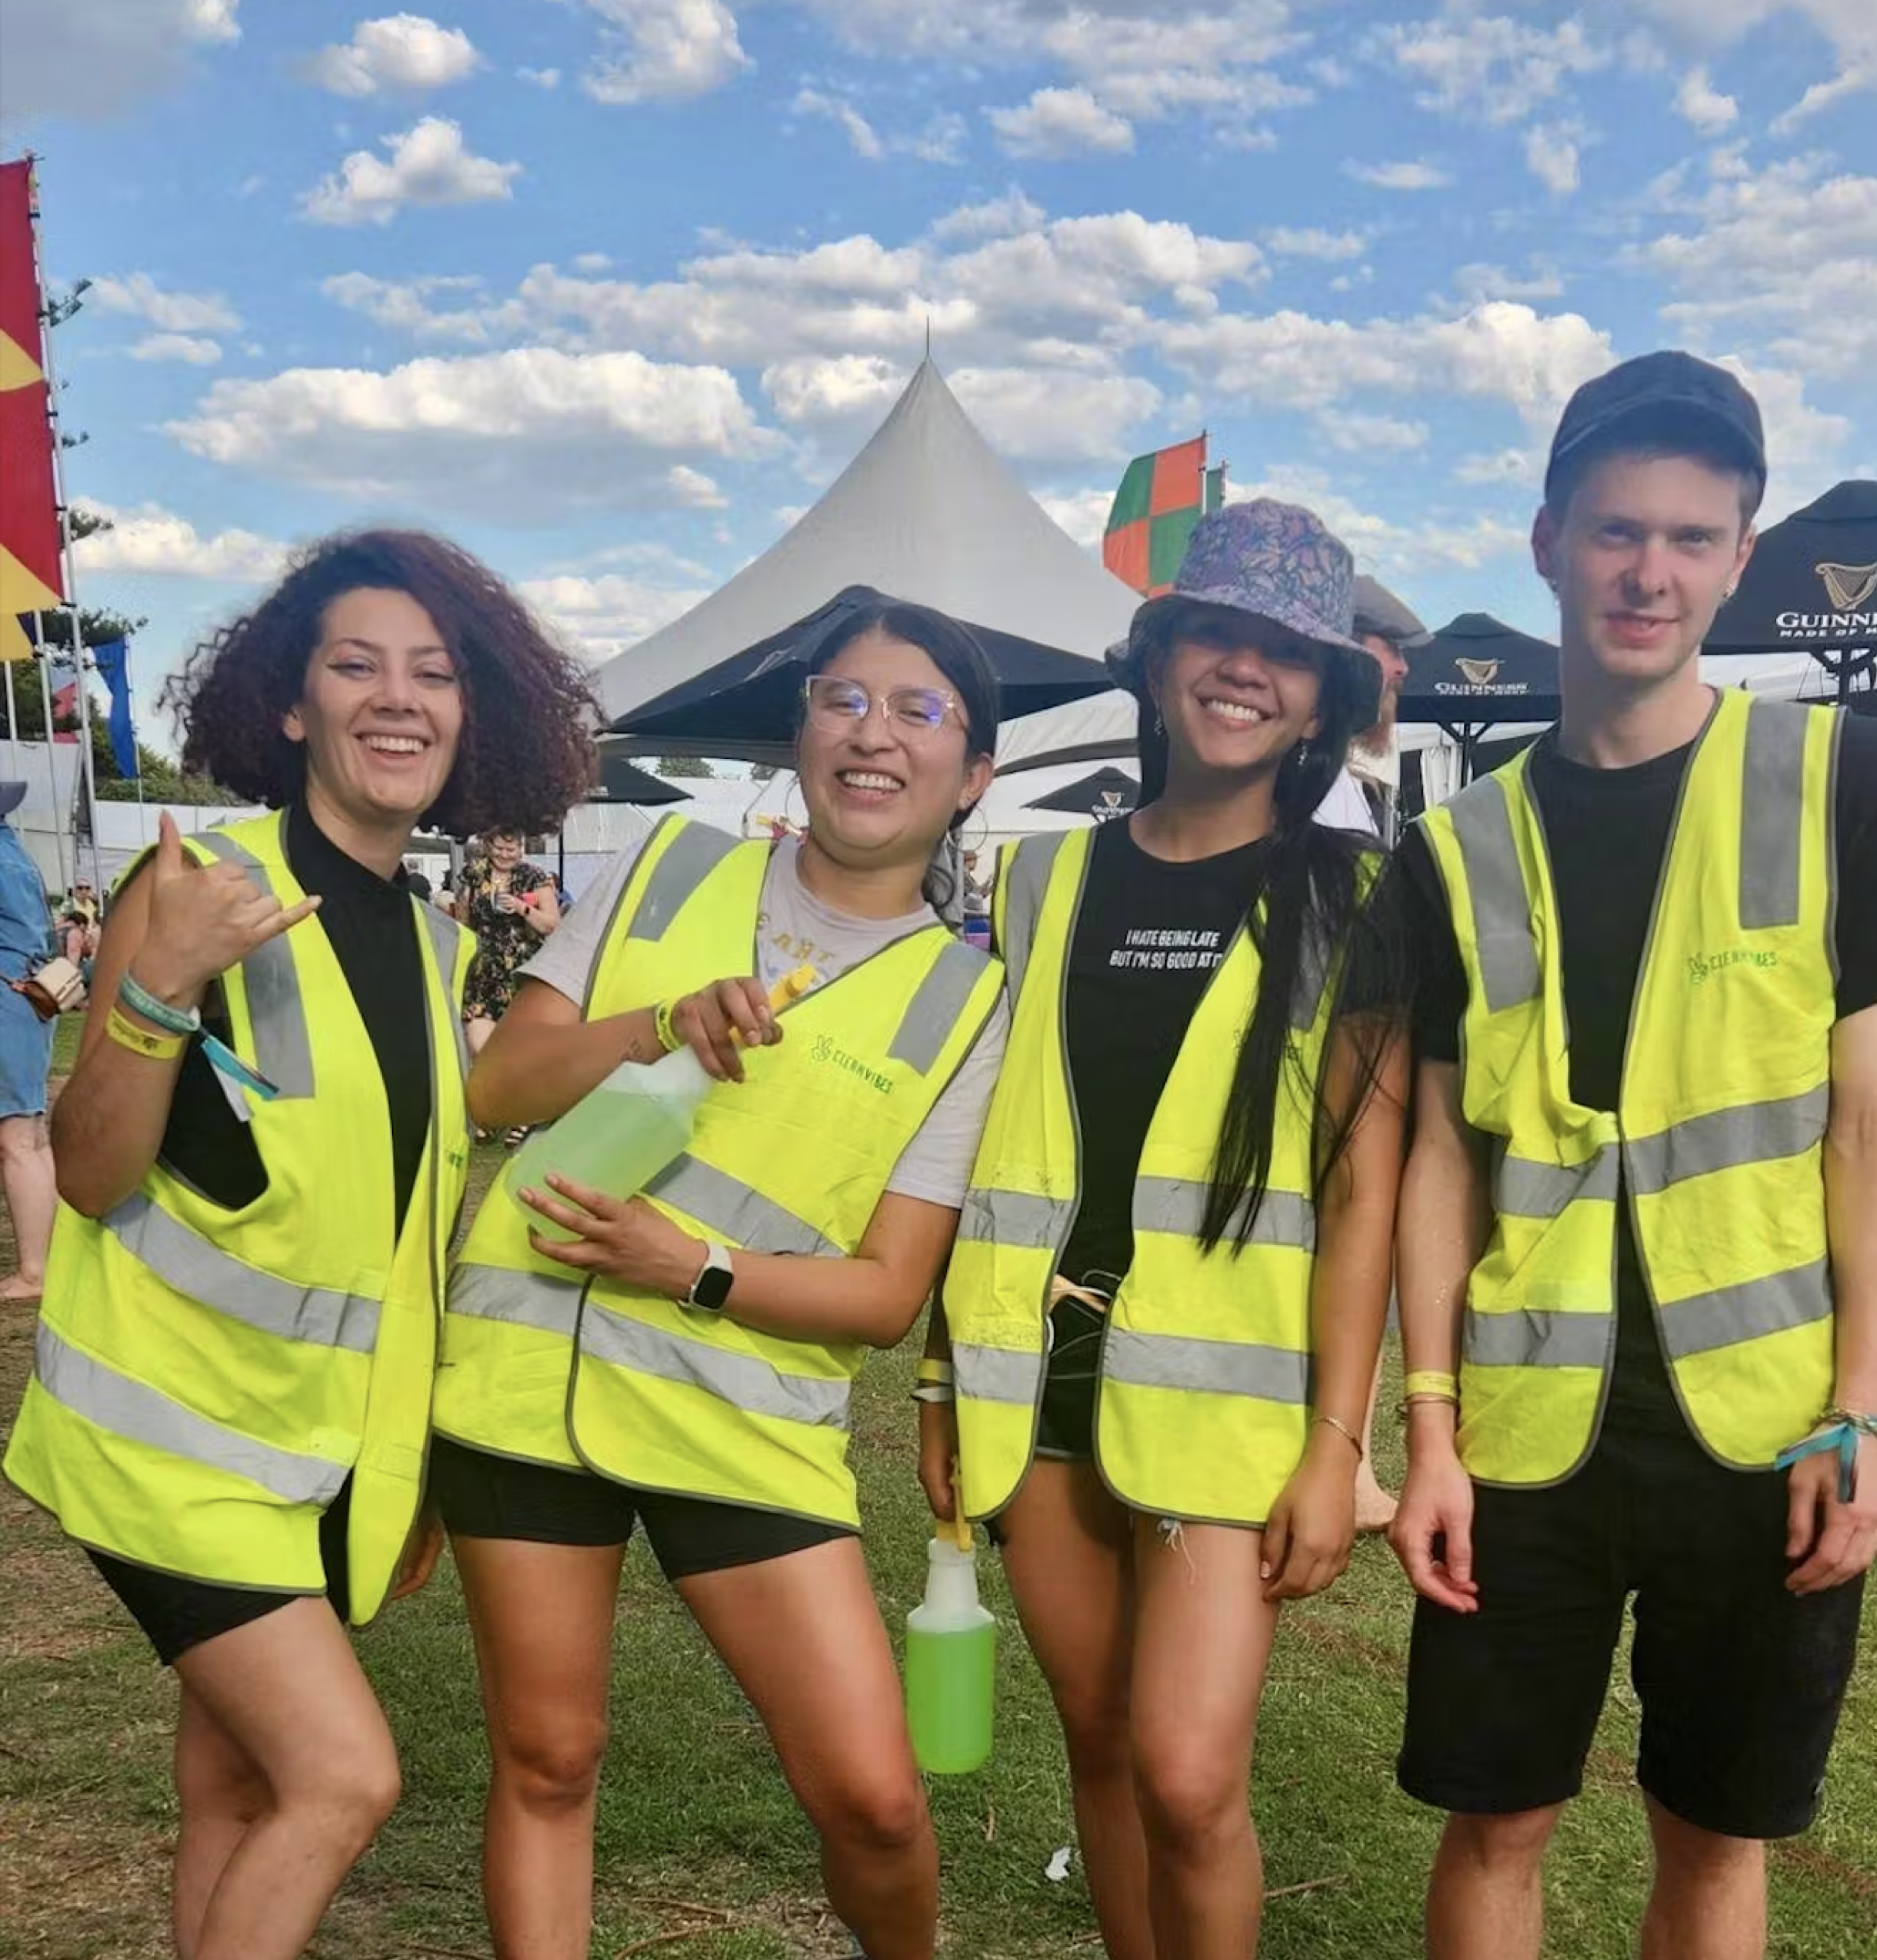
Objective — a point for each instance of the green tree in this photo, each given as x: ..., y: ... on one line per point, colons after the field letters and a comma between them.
x: 686, y: 766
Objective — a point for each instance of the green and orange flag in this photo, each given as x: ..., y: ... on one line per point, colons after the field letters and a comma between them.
x: 30, y: 577
x: 1152, y: 518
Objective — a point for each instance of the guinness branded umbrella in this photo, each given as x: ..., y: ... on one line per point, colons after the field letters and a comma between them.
x: 1811, y: 586
x: 1476, y: 673
x: 745, y: 708
x: 1104, y: 793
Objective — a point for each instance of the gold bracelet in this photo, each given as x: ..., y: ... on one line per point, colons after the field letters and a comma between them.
x: 1421, y: 1396
x: 668, y: 1037
x: 1342, y: 1430
x: 145, y: 1041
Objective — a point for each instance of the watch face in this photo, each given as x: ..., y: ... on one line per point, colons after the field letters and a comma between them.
x: 712, y: 1289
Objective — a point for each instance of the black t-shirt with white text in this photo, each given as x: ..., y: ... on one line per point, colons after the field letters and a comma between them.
x: 1608, y: 833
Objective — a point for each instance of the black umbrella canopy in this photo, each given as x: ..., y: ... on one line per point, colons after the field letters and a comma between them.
x: 1478, y: 672
x: 621, y: 781
x: 744, y: 709
x: 1811, y: 587
x: 1102, y: 794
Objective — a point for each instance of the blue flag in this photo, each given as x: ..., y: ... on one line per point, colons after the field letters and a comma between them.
x: 113, y: 663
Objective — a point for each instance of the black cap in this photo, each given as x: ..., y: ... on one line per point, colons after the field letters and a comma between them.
x: 1652, y: 387
x: 1378, y: 612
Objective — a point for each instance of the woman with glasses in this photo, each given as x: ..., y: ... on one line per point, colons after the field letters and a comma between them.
x: 1166, y: 1298
x: 682, y: 1358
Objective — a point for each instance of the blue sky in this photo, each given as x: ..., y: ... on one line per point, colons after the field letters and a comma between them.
x: 610, y: 289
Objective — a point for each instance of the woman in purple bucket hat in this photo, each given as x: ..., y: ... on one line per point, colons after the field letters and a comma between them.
x: 1166, y: 1297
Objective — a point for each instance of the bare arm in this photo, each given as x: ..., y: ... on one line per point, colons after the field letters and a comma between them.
x: 1841, y: 1539
x: 542, y: 911
x: 1446, y: 1219
x: 874, y: 1296
x: 176, y: 927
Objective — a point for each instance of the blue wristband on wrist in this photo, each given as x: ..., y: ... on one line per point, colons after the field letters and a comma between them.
x: 172, y: 1020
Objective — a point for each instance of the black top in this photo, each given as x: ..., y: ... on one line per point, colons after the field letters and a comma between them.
x: 1607, y: 832
x: 372, y: 925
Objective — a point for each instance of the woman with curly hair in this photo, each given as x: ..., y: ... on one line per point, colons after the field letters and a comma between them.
x: 262, y: 1152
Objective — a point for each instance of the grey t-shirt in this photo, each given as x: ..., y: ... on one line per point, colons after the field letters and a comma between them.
x: 794, y: 928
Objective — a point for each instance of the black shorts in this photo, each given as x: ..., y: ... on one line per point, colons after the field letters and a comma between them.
x: 1741, y: 1682
x: 482, y: 1495
x: 177, y: 1614
x: 1065, y: 1423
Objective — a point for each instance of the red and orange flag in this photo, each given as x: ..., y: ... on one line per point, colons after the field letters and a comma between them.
x: 30, y: 577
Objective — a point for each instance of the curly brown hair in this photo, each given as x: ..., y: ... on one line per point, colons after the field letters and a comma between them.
x: 526, y: 752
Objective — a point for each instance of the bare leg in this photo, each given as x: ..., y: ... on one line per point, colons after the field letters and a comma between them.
x: 1375, y: 1508
x: 288, y: 1691
x: 542, y: 1615
x: 1203, y: 1635
x: 1068, y: 1555
x: 803, y: 1636
x: 32, y: 1192
x: 1487, y: 1900
x: 1709, y: 1900
x: 221, y: 1792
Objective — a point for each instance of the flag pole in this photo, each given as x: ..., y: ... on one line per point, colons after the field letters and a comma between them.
x: 52, y: 753
x: 86, y: 775
x: 13, y: 727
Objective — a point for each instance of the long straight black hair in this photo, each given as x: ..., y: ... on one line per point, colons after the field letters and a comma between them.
x: 955, y: 650
x: 1312, y: 911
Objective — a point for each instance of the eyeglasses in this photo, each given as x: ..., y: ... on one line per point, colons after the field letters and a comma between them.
x: 838, y: 706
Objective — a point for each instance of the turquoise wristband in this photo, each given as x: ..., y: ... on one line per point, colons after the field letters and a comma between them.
x: 173, y: 1020
x: 1844, y: 1438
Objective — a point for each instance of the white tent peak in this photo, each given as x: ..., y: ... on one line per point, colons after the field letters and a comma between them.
x: 927, y: 512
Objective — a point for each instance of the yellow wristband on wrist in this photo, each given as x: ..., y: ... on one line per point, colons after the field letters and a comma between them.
x: 931, y: 1368
x: 143, y: 1041
x: 1430, y: 1382
x: 669, y: 1038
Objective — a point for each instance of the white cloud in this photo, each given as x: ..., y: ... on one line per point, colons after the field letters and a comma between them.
x: 602, y: 617
x: 1494, y: 69
x: 1359, y: 434
x: 1853, y: 80
x: 1400, y: 175
x: 523, y: 436
x: 1292, y: 242
x: 1551, y: 154
x: 403, y: 52
x: 90, y: 59
x: 1702, y: 106
x: 138, y: 294
x: 1381, y: 545
x: 693, y: 489
x: 428, y: 166
x: 186, y: 347
x: 1082, y: 513
x: 1475, y: 283
x: 1521, y: 469
x: 1000, y: 218
x: 540, y: 77
x: 155, y: 542
x: 861, y: 136
x: 663, y: 50
x: 1058, y: 122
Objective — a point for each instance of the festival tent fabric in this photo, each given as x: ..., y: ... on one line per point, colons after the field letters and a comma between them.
x: 31, y: 579
x: 926, y: 512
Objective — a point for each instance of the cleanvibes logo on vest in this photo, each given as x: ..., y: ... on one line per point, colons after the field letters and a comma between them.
x: 1705, y: 966
x: 825, y: 1050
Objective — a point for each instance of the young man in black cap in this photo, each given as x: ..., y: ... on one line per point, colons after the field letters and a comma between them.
x: 1636, y: 1223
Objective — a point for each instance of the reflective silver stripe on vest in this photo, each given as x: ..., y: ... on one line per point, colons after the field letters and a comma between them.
x: 1522, y: 1188
x: 1207, y: 1367
x: 737, y: 1211
x: 1019, y: 1218
x: 937, y: 1006
x: 446, y: 942
x: 141, y: 1413
x: 539, y: 1301
x: 1530, y: 1338
x: 1772, y: 813
x: 691, y: 856
x: 745, y: 1381
x: 1725, y: 1139
x: 1025, y: 885
x: 1745, y: 1313
x: 1502, y: 914
x: 995, y: 1374
x: 1179, y: 1205
x: 283, y: 1048
x: 184, y: 1260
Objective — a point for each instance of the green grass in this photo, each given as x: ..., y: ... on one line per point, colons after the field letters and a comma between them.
x: 697, y: 1835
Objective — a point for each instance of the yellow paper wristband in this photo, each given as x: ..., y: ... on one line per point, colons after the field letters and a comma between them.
x: 1430, y: 1382
x: 143, y: 1041
x: 669, y: 1038
x: 932, y: 1369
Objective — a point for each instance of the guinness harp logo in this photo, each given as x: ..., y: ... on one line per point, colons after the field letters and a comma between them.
x: 1848, y: 585
x: 1482, y: 673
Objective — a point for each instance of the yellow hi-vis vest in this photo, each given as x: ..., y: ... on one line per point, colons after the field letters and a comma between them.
x: 793, y: 1159
x: 1202, y: 1408
x: 1725, y: 1092
x: 204, y: 1380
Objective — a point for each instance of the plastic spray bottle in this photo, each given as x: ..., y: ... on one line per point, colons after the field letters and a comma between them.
x: 621, y: 1134
x: 951, y: 1658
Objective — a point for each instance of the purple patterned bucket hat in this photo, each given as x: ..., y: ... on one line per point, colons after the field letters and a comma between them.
x: 1276, y: 560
